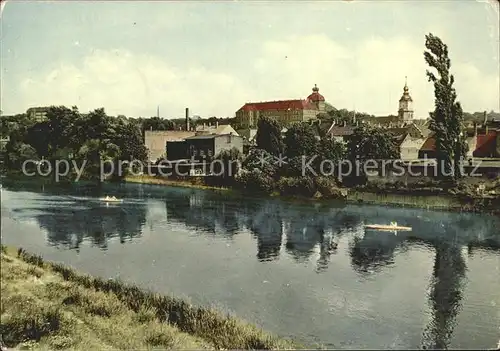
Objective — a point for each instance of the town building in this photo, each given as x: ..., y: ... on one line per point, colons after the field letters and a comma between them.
x: 37, y: 114
x: 156, y: 140
x: 340, y: 133
x: 285, y: 112
x: 200, y: 147
x: 215, y: 129
x: 482, y: 142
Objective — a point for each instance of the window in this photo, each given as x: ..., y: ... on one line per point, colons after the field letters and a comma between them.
x: 229, y: 139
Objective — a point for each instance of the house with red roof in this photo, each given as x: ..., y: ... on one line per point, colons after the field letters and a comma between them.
x: 284, y: 111
x: 482, y: 144
x: 487, y: 144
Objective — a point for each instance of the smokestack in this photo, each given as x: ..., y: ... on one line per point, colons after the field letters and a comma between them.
x: 158, y: 111
x: 485, y: 121
x: 187, y: 119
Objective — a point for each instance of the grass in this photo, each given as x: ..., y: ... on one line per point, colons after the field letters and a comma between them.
x: 47, y: 305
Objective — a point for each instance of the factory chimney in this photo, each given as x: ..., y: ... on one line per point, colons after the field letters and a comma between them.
x: 187, y: 119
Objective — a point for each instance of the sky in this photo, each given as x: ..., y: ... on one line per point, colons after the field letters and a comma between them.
x: 132, y: 56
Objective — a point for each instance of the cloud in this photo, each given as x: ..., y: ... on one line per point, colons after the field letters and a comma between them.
x: 366, y: 75
x: 133, y: 85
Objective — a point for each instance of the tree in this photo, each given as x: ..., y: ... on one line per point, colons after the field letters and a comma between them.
x: 156, y: 123
x: 261, y: 160
x: 95, y: 152
x: 17, y: 153
x: 330, y: 149
x: 60, y: 122
x: 447, y: 118
x: 370, y: 143
x: 300, y: 140
x: 129, y: 140
x: 230, y: 161
x: 268, y: 136
x: 38, y: 136
x: 331, y: 152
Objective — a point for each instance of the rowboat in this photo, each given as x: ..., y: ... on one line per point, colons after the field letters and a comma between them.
x: 384, y: 227
x: 110, y: 199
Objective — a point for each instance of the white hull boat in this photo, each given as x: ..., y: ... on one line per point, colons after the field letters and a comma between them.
x: 112, y: 199
x: 388, y: 228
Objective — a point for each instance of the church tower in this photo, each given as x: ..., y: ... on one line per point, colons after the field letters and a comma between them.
x: 405, y: 112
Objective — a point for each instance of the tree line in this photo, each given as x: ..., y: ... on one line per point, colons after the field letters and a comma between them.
x: 67, y: 134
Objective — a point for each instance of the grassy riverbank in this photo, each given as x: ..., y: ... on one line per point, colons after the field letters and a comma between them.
x: 47, y: 305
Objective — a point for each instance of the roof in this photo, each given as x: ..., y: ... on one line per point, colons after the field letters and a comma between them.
x: 486, y: 144
x: 168, y: 135
x: 315, y: 96
x: 429, y: 144
x: 278, y: 105
x: 221, y: 129
x: 210, y: 136
x: 340, y: 131
x: 398, y: 131
x: 400, y: 138
x: 38, y: 109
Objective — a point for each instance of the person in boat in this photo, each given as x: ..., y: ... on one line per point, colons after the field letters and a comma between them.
x: 394, y: 224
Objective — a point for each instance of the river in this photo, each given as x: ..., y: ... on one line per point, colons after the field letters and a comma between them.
x: 272, y: 262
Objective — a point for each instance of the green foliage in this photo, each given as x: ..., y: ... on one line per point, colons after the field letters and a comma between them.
x: 300, y: 140
x: 156, y: 123
x: 68, y: 134
x: 369, y: 143
x: 296, y: 186
x: 328, y: 188
x: 17, y: 153
x: 255, y: 181
x: 330, y: 149
x: 230, y: 161
x: 344, y: 115
x: 254, y: 161
x: 268, y: 136
x: 447, y: 117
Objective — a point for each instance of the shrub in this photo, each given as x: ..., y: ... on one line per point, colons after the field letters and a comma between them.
x: 293, y: 186
x: 254, y: 181
x: 328, y: 188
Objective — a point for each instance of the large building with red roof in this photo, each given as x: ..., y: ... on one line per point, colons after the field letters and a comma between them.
x: 284, y: 111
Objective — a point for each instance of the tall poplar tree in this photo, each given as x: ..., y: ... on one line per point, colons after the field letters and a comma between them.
x: 447, y: 118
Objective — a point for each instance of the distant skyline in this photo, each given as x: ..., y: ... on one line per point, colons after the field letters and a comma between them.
x: 213, y: 57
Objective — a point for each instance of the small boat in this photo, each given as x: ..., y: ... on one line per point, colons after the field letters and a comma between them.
x: 384, y: 227
x: 110, y: 199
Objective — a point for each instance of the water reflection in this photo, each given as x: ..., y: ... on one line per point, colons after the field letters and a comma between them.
x: 445, y: 296
x: 305, y: 233
x: 69, y: 223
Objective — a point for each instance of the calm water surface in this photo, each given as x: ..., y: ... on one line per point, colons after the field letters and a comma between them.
x: 273, y: 263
